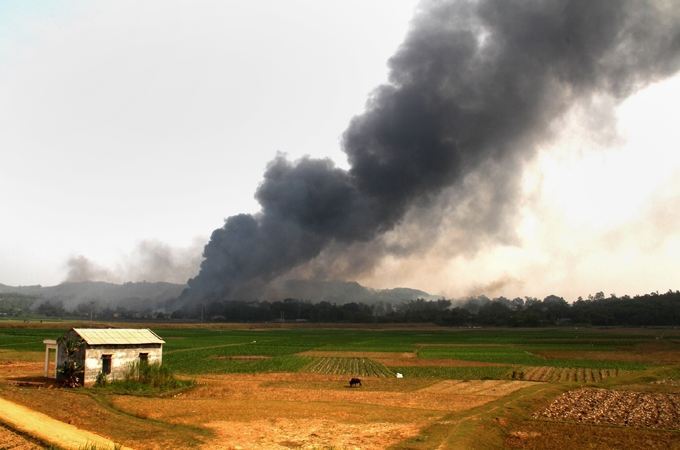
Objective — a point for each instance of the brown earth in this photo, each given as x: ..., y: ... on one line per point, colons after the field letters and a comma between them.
x: 10, y: 440
x: 275, y: 410
x: 281, y: 410
x: 282, y: 433
x: 624, y: 408
x: 19, y: 368
x: 519, y: 430
x: 48, y: 429
x: 76, y: 407
x: 256, y: 388
x: 494, y: 388
x: 540, y: 435
x: 84, y: 410
x: 319, y: 381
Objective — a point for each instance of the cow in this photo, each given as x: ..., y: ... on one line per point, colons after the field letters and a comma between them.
x: 354, y: 381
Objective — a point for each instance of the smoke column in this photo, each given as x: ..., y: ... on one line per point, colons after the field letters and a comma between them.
x: 474, y: 82
x: 151, y: 260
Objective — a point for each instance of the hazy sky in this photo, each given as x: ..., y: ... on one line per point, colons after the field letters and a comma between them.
x: 129, y: 125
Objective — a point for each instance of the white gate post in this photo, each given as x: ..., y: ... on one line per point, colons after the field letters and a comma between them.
x: 47, y: 360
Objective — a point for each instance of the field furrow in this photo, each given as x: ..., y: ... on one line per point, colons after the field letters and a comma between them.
x: 348, y: 366
x: 565, y: 374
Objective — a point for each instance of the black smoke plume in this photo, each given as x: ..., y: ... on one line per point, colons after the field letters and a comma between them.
x: 474, y: 83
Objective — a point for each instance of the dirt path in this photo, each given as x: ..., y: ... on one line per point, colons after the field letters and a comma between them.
x: 47, y: 429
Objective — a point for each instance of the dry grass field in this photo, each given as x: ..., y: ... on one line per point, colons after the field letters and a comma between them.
x: 288, y: 388
x: 275, y: 410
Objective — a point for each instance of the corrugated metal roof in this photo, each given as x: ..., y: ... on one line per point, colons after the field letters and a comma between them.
x: 118, y: 336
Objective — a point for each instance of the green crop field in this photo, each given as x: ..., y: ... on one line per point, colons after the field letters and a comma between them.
x: 520, y: 355
x: 348, y: 366
x: 459, y: 384
x: 223, y: 350
x: 457, y: 373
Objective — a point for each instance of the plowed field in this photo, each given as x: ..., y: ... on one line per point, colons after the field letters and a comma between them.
x: 348, y: 366
x: 559, y: 374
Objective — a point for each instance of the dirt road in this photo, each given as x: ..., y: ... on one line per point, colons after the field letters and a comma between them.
x: 48, y: 429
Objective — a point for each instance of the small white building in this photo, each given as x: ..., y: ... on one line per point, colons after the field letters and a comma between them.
x: 109, y: 351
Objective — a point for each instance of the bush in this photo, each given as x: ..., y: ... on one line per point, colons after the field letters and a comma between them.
x: 101, y: 380
x: 93, y: 446
x: 144, y: 378
x: 70, y: 373
x: 153, y: 375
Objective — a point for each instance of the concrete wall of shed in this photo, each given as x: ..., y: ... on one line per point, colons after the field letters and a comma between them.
x: 121, y: 358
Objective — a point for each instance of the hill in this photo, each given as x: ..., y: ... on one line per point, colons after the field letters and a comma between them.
x: 334, y: 291
x: 160, y: 295
x: 130, y: 295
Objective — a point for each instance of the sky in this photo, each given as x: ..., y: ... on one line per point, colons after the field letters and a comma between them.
x: 130, y: 130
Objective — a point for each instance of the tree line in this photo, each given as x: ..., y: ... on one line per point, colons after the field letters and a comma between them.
x: 652, y: 309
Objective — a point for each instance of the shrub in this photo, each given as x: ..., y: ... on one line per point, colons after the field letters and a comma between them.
x: 153, y: 375
x: 144, y: 378
x: 101, y: 380
x: 71, y: 372
x: 93, y: 446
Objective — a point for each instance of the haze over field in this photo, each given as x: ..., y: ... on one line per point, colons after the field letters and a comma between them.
x: 500, y: 140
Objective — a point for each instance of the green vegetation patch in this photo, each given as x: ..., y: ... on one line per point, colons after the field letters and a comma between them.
x: 519, y: 356
x: 348, y: 366
x: 27, y: 339
x: 491, y: 354
x: 145, y: 379
x: 203, y: 362
x: 594, y: 364
x: 457, y: 373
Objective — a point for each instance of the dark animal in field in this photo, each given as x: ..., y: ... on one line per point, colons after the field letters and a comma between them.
x: 354, y: 381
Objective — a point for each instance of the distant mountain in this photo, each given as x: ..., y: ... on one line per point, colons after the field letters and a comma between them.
x: 135, y: 296
x: 341, y: 292
x: 138, y: 296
